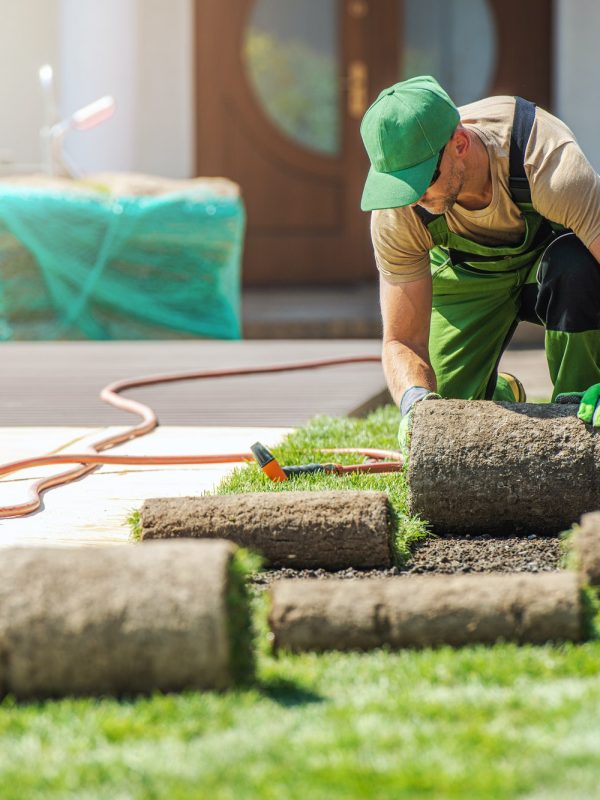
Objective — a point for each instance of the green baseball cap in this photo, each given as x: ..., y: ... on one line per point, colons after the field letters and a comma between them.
x: 403, y: 133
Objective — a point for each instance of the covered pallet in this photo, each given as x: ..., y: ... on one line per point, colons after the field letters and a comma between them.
x: 119, y: 257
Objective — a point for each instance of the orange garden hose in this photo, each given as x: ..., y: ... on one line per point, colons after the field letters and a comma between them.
x: 91, y: 458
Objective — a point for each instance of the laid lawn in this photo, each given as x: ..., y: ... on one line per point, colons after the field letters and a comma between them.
x: 303, y: 446
x: 481, y: 722
x: 499, y: 722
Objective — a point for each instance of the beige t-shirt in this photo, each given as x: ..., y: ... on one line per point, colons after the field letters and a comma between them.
x: 564, y: 189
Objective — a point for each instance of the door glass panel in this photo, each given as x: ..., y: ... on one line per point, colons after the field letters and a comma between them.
x: 455, y: 42
x: 291, y: 55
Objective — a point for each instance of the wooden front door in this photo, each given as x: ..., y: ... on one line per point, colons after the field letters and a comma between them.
x: 281, y: 86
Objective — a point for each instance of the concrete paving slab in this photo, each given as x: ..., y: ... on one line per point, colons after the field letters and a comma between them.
x: 94, y: 509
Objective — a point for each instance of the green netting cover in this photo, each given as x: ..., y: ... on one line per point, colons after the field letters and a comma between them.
x: 84, y: 263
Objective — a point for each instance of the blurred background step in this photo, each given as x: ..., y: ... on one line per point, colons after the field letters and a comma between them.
x: 336, y: 312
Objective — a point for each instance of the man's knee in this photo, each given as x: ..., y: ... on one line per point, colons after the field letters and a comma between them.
x: 569, y: 286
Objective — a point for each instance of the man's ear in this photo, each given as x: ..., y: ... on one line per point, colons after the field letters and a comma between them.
x: 461, y: 141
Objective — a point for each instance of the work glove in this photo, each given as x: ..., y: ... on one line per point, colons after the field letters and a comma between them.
x: 589, y: 404
x: 407, y: 409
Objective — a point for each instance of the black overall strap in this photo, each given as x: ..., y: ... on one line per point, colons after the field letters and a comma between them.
x: 521, y: 131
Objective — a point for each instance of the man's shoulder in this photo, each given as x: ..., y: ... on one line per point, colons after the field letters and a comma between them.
x: 400, y: 227
x: 492, y: 110
x: 392, y: 218
x: 497, y: 113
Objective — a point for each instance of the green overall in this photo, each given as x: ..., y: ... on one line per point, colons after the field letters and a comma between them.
x: 476, y: 305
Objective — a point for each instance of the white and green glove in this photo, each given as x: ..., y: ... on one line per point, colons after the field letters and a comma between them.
x: 407, y: 407
x: 589, y: 404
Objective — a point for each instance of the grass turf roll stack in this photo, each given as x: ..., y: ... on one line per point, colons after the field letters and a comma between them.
x: 425, y: 611
x: 122, y: 620
x: 330, y: 530
x: 484, y: 467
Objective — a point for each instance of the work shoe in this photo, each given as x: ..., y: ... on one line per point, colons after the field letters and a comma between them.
x: 509, y: 389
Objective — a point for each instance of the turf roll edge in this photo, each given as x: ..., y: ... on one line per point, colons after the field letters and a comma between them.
x: 240, y: 626
x: 331, y: 529
x: 425, y: 611
x: 586, y: 546
x: 122, y: 620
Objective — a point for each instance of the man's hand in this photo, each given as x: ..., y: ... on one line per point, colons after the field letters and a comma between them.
x: 407, y: 409
x: 589, y: 404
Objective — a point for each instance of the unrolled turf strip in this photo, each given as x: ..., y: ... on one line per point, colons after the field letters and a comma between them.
x: 117, y: 619
x: 425, y: 611
x: 331, y: 530
x: 586, y: 544
x: 483, y: 467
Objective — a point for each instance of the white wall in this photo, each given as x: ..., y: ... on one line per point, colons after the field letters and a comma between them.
x: 98, y: 56
x: 577, y: 90
x: 165, y: 119
x: 28, y: 39
x: 140, y: 51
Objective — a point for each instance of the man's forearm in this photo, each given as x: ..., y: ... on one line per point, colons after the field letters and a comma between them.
x: 404, y: 367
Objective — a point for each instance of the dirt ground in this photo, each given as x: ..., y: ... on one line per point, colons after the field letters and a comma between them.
x: 454, y: 554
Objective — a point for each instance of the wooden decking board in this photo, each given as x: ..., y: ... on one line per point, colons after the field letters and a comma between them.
x: 58, y: 383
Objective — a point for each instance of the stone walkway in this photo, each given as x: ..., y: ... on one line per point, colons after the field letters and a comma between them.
x: 94, y: 509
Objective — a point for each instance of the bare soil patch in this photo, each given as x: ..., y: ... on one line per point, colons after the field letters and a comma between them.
x: 486, y: 553
x: 449, y: 555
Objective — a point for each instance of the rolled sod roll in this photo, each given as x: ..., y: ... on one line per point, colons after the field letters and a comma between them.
x: 425, y: 611
x: 586, y: 546
x: 121, y: 620
x: 485, y: 467
x: 331, y: 530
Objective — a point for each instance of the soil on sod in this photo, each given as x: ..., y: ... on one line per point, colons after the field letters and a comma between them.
x: 453, y: 554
